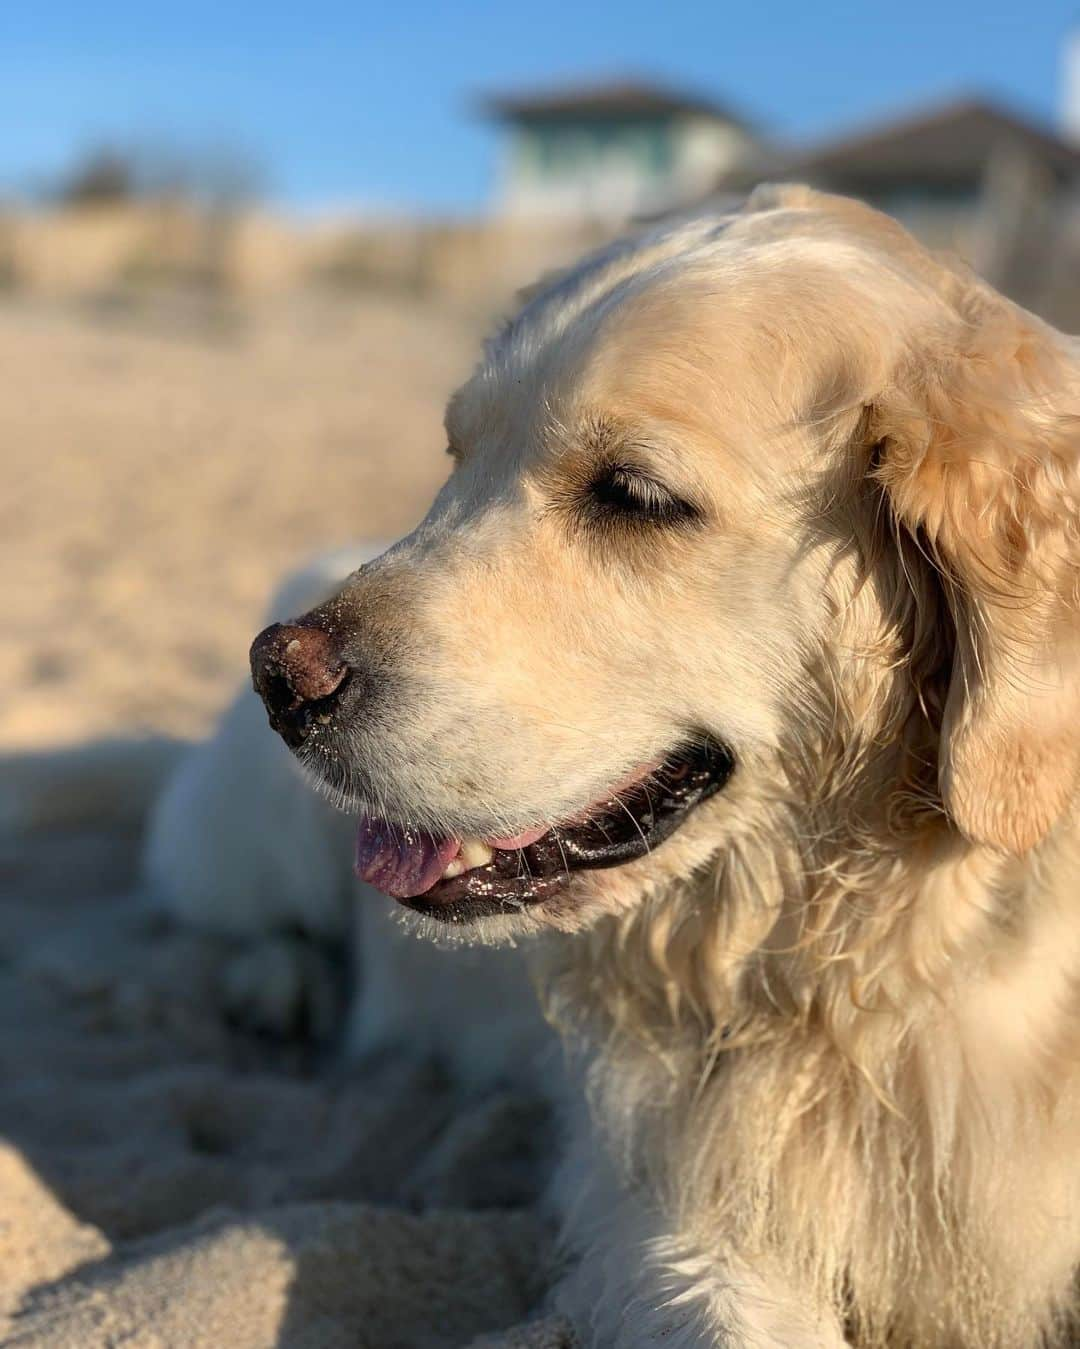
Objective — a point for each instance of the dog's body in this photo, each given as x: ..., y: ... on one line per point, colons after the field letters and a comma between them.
x: 782, y: 492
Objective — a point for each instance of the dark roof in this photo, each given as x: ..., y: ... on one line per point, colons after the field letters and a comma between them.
x: 948, y: 143
x: 620, y: 98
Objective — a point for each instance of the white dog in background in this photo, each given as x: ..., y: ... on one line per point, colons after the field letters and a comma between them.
x: 239, y: 844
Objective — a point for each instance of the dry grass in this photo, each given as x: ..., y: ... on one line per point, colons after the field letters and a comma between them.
x: 472, y: 263
x: 163, y: 470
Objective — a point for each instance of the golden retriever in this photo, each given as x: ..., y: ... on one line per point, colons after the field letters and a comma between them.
x: 742, y: 647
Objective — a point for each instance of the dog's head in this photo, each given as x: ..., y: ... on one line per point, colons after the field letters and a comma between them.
x: 728, y: 500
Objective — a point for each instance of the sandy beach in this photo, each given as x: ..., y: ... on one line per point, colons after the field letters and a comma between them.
x: 168, y: 1179
x: 166, y: 465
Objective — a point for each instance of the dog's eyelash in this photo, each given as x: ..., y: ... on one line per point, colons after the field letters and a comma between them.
x: 626, y: 491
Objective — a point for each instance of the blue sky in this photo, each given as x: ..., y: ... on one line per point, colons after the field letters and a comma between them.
x: 369, y: 104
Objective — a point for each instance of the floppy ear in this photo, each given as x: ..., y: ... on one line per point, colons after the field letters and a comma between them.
x: 979, y: 443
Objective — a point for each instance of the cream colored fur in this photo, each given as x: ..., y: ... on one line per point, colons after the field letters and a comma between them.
x: 829, y: 1030
x: 847, y: 1049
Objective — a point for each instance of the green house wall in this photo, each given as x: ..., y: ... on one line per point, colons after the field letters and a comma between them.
x: 553, y: 148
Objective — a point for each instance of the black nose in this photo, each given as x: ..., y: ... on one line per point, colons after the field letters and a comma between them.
x: 297, y: 671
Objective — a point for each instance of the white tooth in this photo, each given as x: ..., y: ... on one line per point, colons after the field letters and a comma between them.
x: 454, y: 868
x: 475, y: 853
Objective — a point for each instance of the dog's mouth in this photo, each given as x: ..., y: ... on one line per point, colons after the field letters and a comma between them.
x: 460, y: 879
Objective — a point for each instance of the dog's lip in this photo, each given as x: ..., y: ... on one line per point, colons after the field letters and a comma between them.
x: 622, y: 827
x: 527, y: 837
x: 520, y: 840
x: 405, y: 861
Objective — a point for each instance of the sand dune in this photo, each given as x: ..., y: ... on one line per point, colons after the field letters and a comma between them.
x: 165, y: 466
x: 168, y: 1179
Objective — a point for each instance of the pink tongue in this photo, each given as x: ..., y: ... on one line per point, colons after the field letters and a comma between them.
x: 400, y: 862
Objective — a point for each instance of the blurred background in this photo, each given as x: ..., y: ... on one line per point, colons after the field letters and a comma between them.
x: 245, y: 252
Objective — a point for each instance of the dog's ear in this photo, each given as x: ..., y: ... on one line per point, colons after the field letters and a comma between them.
x: 979, y: 453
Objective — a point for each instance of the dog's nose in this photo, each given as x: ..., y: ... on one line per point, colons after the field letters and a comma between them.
x: 296, y: 668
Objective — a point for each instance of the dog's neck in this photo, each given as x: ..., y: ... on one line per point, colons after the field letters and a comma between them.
x: 837, y: 926
x: 832, y: 851
x: 793, y: 1046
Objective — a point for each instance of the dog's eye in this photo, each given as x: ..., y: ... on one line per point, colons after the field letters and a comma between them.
x: 622, y: 490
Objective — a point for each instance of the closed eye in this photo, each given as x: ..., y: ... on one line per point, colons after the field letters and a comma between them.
x: 622, y: 490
